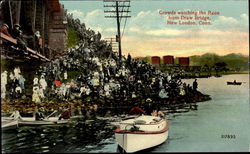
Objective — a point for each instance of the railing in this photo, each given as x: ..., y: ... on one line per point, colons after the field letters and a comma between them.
x: 33, y: 53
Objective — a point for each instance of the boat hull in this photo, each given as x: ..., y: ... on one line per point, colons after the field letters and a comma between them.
x: 9, y: 124
x: 138, y: 142
x: 49, y: 121
x: 141, y: 133
x: 234, y: 83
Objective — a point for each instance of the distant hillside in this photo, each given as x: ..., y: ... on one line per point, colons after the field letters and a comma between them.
x: 233, y: 61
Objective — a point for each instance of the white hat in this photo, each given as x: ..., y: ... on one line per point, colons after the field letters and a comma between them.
x: 37, y: 33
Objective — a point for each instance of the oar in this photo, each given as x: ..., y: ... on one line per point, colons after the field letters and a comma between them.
x: 51, y: 114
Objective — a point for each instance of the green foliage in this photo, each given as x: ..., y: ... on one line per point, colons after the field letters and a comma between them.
x: 235, y: 60
x: 208, y: 59
x: 146, y: 59
x: 231, y: 61
x: 72, y: 38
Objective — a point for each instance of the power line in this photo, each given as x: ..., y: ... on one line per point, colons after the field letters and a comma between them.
x: 125, y: 23
x: 119, y: 14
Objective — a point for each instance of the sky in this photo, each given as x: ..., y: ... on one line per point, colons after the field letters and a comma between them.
x: 147, y: 32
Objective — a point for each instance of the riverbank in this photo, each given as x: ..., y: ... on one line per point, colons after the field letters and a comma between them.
x: 26, y: 107
x: 208, y: 75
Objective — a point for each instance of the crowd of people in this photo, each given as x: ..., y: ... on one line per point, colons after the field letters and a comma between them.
x: 33, y: 41
x: 17, y: 82
x: 102, y: 74
x: 92, y: 69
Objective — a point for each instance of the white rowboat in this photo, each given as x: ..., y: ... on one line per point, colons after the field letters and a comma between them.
x: 141, y: 133
x: 47, y: 121
x: 8, y: 123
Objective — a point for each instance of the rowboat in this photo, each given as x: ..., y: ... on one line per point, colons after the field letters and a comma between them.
x: 234, y: 83
x: 142, y: 132
x: 47, y: 121
x: 8, y: 123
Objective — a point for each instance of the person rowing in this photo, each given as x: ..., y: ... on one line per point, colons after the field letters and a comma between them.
x: 65, y: 114
x: 136, y: 110
x: 39, y: 115
x: 15, y: 115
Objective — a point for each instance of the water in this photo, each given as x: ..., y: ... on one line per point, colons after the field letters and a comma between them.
x: 194, y: 131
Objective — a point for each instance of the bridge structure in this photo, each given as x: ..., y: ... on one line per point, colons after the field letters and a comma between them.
x: 47, y: 19
x: 8, y: 45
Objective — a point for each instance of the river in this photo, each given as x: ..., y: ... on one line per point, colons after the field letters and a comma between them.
x: 202, y: 130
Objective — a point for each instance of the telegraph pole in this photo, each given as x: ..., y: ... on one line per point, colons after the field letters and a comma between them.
x: 119, y: 10
x: 118, y: 31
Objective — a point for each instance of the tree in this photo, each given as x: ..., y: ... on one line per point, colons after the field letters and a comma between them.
x: 220, y: 66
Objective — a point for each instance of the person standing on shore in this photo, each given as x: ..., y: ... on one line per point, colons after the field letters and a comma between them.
x: 3, y: 84
x: 35, y: 95
x: 195, y: 85
x: 148, y: 106
x: 21, y: 81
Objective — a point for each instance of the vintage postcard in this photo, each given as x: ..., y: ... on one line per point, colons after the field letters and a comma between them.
x: 124, y: 76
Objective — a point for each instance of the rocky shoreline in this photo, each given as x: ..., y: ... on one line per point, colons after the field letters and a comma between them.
x: 100, y: 106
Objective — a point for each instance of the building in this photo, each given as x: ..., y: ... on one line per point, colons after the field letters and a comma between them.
x: 183, y: 61
x: 46, y: 16
x: 57, y: 27
x: 156, y: 60
x: 168, y: 60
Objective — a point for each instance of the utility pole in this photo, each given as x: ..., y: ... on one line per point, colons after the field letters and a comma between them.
x: 118, y: 30
x: 119, y: 10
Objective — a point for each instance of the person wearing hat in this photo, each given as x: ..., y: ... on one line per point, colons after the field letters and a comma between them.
x: 148, y: 106
x: 18, y: 35
x: 4, y: 30
x: 38, y: 40
x: 16, y: 31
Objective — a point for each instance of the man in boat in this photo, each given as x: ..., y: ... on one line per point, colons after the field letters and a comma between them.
x: 15, y: 115
x: 136, y: 110
x: 66, y: 114
x: 157, y: 113
x: 39, y: 115
x: 152, y: 109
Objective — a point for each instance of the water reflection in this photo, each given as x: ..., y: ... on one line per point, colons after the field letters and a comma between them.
x: 80, y: 135
x: 71, y: 137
